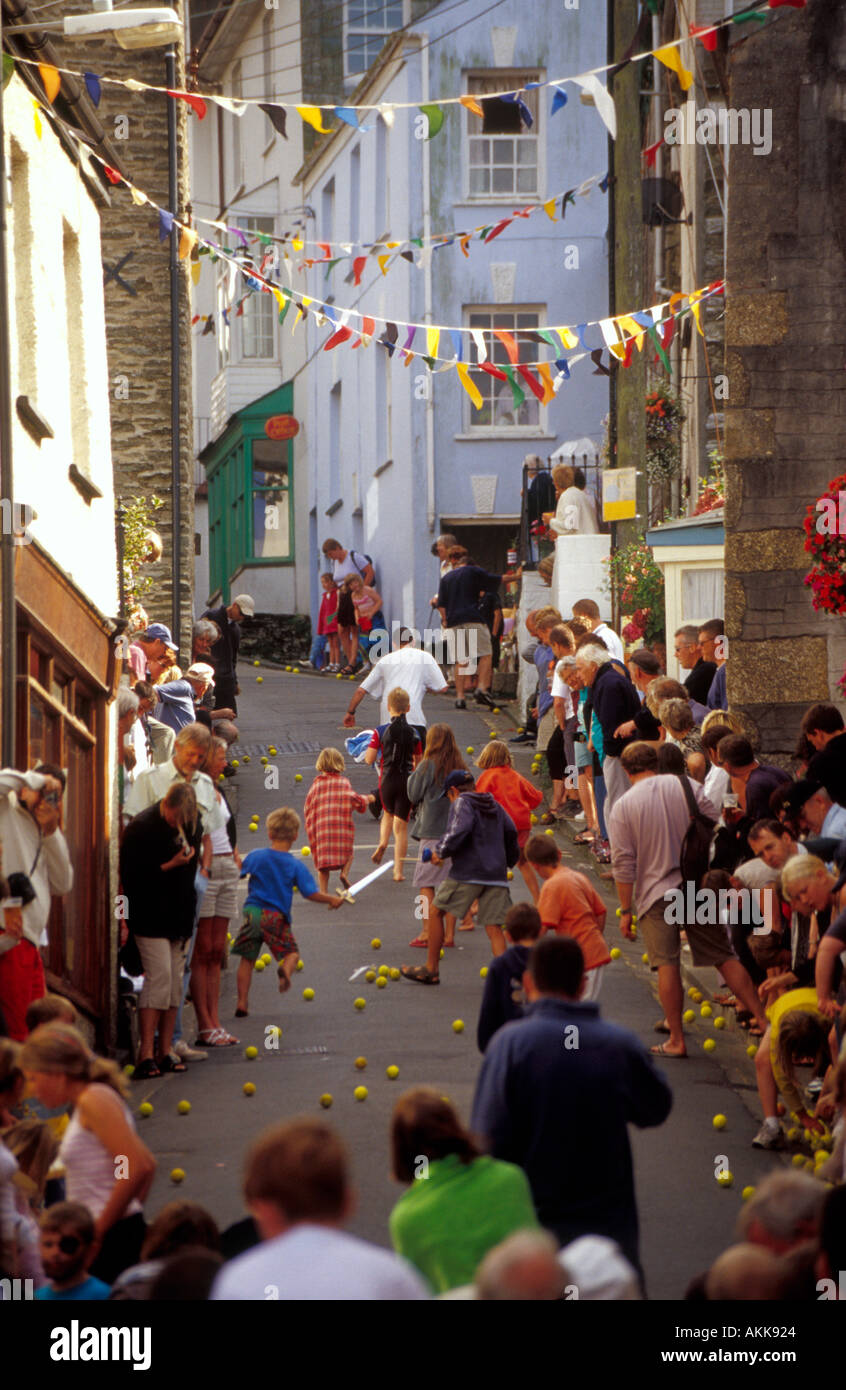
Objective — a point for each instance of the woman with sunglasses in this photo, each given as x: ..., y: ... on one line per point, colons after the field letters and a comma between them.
x: 107, y: 1167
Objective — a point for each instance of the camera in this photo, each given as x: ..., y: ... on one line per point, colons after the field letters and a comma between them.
x: 21, y: 887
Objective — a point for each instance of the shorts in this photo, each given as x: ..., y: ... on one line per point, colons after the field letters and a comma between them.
x: 429, y: 875
x: 547, y: 724
x: 593, y: 982
x: 393, y: 791
x: 346, y: 610
x: 584, y: 756
x: 708, y: 944
x: 483, y: 645
x: 221, y: 895
x: 261, y: 925
x: 21, y: 983
x: 457, y: 898
x: 164, y: 967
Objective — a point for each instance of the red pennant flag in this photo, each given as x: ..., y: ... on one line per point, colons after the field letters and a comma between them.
x: 667, y: 333
x: 651, y: 151
x: 112, y: 174
x: 794, y: 4
x: 532, y: 382
x: 492, y: 371
x: 508, y: 343
x: 500, y: 227
x: 627, y: 360
x: 706, y: 33
x: 326, y: 249
x: 358, y: 267
x: 196, y: 103
x: 339, y: 337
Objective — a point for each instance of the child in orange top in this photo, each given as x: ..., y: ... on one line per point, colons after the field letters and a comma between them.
x: 515, y: 795
x: 570, y: 905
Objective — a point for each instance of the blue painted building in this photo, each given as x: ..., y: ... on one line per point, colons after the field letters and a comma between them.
x: 396, y: 453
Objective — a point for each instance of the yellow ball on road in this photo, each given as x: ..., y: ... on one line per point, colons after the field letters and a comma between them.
x: 706, y: 1011
x: 177, y: 1174
x: 496, y: 709
x: 249, y: 1089
x: 645, y: 958
x: 235, y: 763
x: 305, y: 851
x: 184, y: 1107
x: 381, y: 983
x: 492, y: 734
x: 376, y: 944
x: 129, y: 1069
x: 360, y: 1093
x: 339, y: 677
x: 719, y: 1122
x: 688, y: 1015
x: 484, y: 972
x: 751, y: 1050
x: 264, y: 760
x: 392, y: 1073
x: 747, y: 1193
x: 359, y: 1003
x: 246, y: 758
x: 510, y: 875
x: 384, y: 969
x: 252, y: 827
x: 615, y: 953
x: 821, y: 1156
x: 251, y: 1053
x: 360, y: 1063
x: 370, y: 976
x: 719, y: 1023
x: 471, y: 749
x: 326, y: 1100
x: 725, y: 1179
x: 259, y: 680
x: 300, y: 965
x: 259, y: 965
x: 257, y: 663
x: 145, y: 1108
x: 709, y: 1045
x: 272, y: 752
x: 692, y: 992
x: 298, y: 776
x: 308, y: 995
x: 549, y: 832
x: 395, y: 974
x: 458, y: 1026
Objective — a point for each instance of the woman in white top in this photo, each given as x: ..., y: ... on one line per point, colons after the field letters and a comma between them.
x: 107, y: 1167
x: 574, y: 513
x: 218, y: 907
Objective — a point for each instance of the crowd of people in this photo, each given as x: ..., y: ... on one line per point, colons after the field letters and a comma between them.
x: 663, y: 786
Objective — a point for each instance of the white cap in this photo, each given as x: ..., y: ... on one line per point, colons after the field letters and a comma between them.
x: 201, y: 672
x: 246, y: 604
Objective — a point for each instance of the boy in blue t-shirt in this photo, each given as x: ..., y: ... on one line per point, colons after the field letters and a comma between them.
x: 504, y: 995
x: 273, y: 874
x: 67, y: 1249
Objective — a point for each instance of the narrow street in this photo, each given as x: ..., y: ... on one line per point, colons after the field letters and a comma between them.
x: 411, y: 1028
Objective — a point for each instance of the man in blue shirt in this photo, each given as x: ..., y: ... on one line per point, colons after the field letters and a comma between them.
x: 459, y: 594
x: 177, y: 699
x: 67, y: 1249
x: 555, y: 1095
x: 818, y: 814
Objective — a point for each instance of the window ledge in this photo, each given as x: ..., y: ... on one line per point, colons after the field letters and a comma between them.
x: 335, y: 507
x: 383, y: 468
x: 504, y: 434
x: 498, y: 200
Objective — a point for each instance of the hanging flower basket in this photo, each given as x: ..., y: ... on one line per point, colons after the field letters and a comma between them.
x: 640, y: 586
x: 825, y: 540
x: 664, y: 417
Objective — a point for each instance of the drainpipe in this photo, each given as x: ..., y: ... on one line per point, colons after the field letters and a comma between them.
x: 427, y: 306
x: 657, y: 132
x: 7, y: 489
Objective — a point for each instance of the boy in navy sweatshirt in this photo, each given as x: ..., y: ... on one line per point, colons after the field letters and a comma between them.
x: 504, y: 996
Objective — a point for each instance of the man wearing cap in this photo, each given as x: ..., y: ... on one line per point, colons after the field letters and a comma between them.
x: 223, y: 655
x: 177, y: 699
x: 481, y: 842
x: 149, y: 647
x: 818, y: 814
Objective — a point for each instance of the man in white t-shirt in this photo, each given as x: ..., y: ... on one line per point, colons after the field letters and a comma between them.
x: 409, y: 668
x: 297, y: 1188
x: 588, y: 609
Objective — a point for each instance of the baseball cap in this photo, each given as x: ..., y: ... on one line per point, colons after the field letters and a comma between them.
x: 800, y: 792
x: 458, y: 778
x: 201, y: 671
x: 246, y: 605
x: 162, y: 633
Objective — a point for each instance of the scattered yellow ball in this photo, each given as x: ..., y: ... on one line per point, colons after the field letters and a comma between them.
x: 251, y: 1053
x: 274, y: 1031
x: 246, y: 758
x: 533, y: 819
x: 184, y: 1107
x: 719, y: 1122
x: 370, y: 976
x: 249, y: 1089
x: 692, y: 992
x: 360, y: 1063
x: 308, y: 995
x: 484, y: 972
x: 719, y: 1023
x: 359, y: 1003
x: 259, y: 965
x: 725, y: 1179
x: 360, y: 1093
x: 339, y: 677
x: 751, y: 1050
x: 645, y: 958
x: 376, y: 944
x: 326, y: 1100
x: 441, y: 954
x: 264, y: 760
x: 709, y: 1045
x: 129, y: 1069
x: 392, y: 1073
x: 688, y: 1015
x: 798, y: 1160
x: 496, y: 709
x: 510, y: 875
x: 706, y: 1011
x: 794, y: 1133
x: 235, y: 763
x: 257, y: 663
x: 259, y: 680
x: 810, y: 1166
x: 305, y: 851
x: 549, y: 832
x: 145, y: 1108
x: 298, y: 776
x: 458, y: 1026
x: 252, y: 827
x: 384, y: 969
x: 470, y: 748
x: 615, y: 953
x: 300, y: 965
x: 395, y: 974
x: 177, y: 1175
x: 747, y: 1193
x: 272, y: 752
x: 821, y: 1156
x: 492, y: 734
x: 381, y: 983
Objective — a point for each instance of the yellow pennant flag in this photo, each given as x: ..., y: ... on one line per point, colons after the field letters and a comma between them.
x: 51, y: 79
x: 549, y: 209
x: 693, y: 301
x: 297, y: 244
x: 305, y: 303
x: 36, y: 117
x: 187, y: 242
x: 629, y: 325
x: 196, y: 270
x: 313, y: 116
x: 138, y: 198
x: 568, y: 339
x: 618, y: 350
x: 433, y: 336
x: 280, y: 299
x: 472, y: 105
x: 383, y: 263
x: 546, y: 377
x: 671, y: 58
x: 469, y: 385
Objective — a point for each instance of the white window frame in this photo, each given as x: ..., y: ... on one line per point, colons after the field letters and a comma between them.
x: 352, y: 78
x: 505, y: 79
x: 237, y: 145
x: 263, y: 305
x: 499, y: 314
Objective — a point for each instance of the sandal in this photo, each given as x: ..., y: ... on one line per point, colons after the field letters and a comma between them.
x: 584, y: 837
x: 421, y: 942
x: 660, y: 1050
x: 549, y: 817
x: 146, y: 1070
x: 347, y: 671
x: 214, y: 1037
x: 169, y: 1063
x: 420, y: 975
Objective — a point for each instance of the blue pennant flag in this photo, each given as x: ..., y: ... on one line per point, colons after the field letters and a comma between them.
x: 457, y: 342
x: 559, y: 99
x: 92, y: 84
x: 561, y: 364
x: 165, y: 224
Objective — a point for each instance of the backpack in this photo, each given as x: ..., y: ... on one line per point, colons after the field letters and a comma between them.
x: 365, y: 556
x: 696, y: 845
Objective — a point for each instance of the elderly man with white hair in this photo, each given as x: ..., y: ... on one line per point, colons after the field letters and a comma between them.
x: 615, y: 702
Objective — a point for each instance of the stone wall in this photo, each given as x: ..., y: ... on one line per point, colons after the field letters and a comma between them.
x: 785, y: 350
x: 138, y: 324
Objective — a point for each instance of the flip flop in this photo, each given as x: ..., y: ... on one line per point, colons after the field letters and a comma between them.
x: 660, y: 1050
x: 419, y: 975
x: 146, y: 1070
x: 421, y: 942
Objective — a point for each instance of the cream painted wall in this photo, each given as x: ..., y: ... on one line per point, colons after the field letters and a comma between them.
x: 58, y: 351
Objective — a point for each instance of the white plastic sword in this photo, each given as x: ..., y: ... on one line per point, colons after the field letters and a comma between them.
x: 365, y: 882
